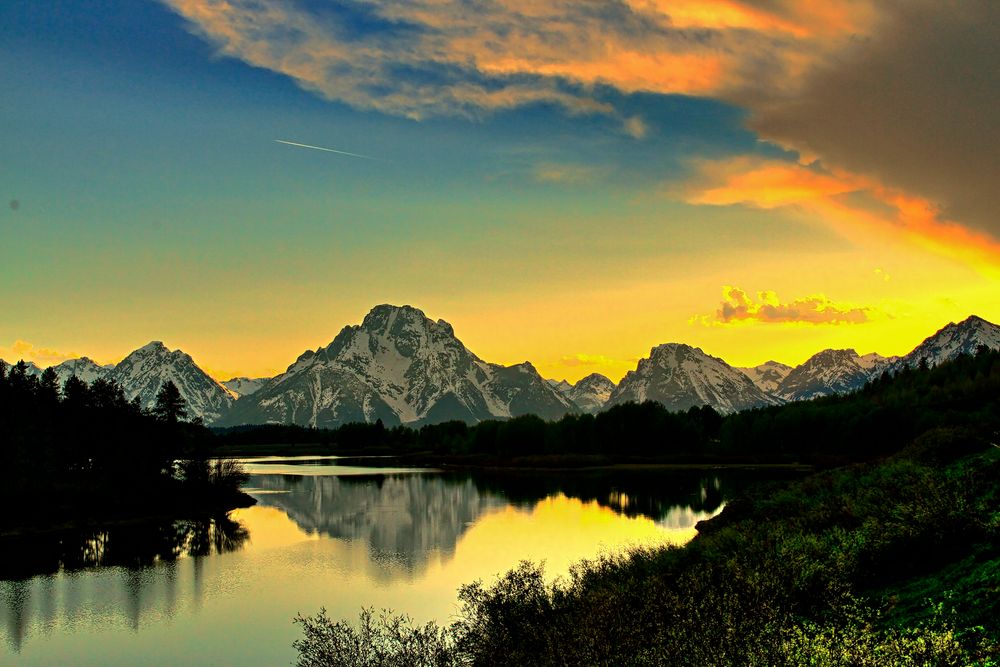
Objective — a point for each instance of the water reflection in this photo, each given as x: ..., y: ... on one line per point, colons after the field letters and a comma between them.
x: 130, y: 549
x: 401, y: 518
x: 405, y: 541
x: 404, y: 520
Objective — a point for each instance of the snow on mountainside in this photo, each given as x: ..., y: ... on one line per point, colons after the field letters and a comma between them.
x: 589, y: 394
x: 953, y: 340
x: 768, y: 375
x: 31, y: 367
x: 144, y: 371
x: 401, y: 367
x: 243, y: 386
x: 831, y: 372
x: 680, y: 376
x: 84, y: 368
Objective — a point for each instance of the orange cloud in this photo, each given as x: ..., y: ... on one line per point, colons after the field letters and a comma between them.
x: 856, y: 83
x: 494, y: 55
x: 826, y: 194
x: 738, y: 306
x: 43, y: 356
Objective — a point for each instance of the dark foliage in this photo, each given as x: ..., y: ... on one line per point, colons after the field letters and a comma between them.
x: 89, y: 446
x: 877, y: 564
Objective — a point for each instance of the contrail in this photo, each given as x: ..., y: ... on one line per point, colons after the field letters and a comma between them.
x: 328, y: 150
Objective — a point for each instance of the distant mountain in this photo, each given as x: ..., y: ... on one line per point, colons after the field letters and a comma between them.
x: 680, y: 376
x: 243, y: 386
x: 144, y: 371
x: 84, y: 368
x: 953, y: 340
x: 403, y: 368
x: 589, y: 394
x: 831, y: 372
x: 32, y: 368
x: 768, y: 375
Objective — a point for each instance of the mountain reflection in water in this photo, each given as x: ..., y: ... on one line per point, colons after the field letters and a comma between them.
x: 402, y: 519
x: 160, y: 592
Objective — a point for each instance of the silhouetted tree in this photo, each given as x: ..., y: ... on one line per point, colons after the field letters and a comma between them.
x: 48, y: 385
x: 170, y: 405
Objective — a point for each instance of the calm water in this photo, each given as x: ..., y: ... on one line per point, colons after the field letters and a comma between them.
x: 224, y: 590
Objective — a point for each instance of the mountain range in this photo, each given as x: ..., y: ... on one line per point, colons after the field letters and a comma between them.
x: 401, y: 367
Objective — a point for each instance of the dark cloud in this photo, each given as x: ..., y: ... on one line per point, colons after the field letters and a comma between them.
x: 915, y: 103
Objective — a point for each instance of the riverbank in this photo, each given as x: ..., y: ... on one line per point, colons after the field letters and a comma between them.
x: 74, y: 508
x: 880, y: 564
x: 483, y: 462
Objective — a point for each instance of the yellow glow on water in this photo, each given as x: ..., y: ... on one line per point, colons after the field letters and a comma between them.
x: 561, y: 531
x: 270, y: 527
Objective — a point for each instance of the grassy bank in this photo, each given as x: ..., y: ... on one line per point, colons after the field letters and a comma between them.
x: 887, y: 563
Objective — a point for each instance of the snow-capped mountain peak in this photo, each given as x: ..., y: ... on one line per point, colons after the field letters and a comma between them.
x: 768, y: 375
x: 831, y: 372
x: 681, y: 376
x: 399, y: 366
x: 952, y: 340
x: 143, y: 372
x: 84, y: 368
x: 243, y: 386
x: 589, y: 394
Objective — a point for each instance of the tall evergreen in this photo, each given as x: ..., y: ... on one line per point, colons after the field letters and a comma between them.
x: 170, y: 405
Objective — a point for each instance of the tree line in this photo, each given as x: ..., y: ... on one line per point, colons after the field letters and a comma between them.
x: 90, y: 440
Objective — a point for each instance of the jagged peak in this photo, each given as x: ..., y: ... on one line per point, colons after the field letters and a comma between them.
x: 381, y: 313
x: 525, y: 367
x: 974, y: 320
x: 153, y: 346
x: 832, y: 353
x: 670, y: 347
x: 592, y: 379
x: 669, y: 352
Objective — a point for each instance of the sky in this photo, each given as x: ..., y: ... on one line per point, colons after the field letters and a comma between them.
x: 566, y: 182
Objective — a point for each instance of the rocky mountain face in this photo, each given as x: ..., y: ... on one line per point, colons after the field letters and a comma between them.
x: 680, y: 376
x: 84, y: 368
x: 831, y: 372
x: 768, y: 375
x: 953, y: 340
x: 589, y: 394
x: 243, y: 386
x: 144, y: 371
x: 401, y: 367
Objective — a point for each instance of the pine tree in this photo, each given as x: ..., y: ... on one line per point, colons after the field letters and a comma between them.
x: 170, y: 405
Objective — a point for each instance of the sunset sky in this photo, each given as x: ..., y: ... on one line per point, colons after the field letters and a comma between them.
x: 565, y: 182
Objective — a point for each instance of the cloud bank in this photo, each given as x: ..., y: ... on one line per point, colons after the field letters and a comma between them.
x: 43, y: 356
x: 901, y: 93
x: 738, y: 306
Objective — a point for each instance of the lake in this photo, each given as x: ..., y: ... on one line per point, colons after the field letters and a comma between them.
x: 224, y: 590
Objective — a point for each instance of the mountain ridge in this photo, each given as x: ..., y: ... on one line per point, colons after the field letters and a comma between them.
x: 400, y: 366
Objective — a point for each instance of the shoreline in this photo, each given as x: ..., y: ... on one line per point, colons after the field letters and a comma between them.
x: 539, y: 463
x: 106, y: 518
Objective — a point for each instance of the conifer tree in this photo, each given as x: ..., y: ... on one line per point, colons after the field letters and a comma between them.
x: 170, y: 405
